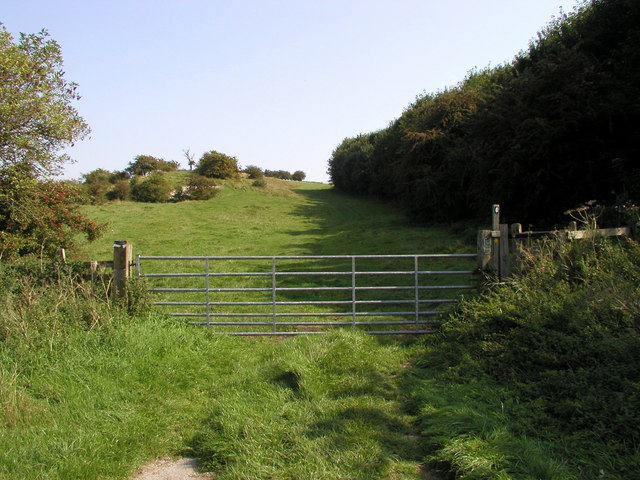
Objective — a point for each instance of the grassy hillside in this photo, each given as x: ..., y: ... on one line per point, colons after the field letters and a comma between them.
x: 285, y: 218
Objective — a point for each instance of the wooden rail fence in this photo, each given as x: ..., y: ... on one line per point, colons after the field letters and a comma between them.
x: 498, y: 247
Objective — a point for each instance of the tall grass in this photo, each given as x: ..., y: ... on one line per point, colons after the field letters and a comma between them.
x: 540, y: 378
x: 536, y: 379
x: 94, y: 397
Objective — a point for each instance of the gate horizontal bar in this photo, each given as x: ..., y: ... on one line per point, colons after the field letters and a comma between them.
x: 381, y: 332
x: 308, y: 257
x: 305, y: 314
x: 269, y: 324
x: 315, y: 289
x: 305, y: 274
x: 316, y: 302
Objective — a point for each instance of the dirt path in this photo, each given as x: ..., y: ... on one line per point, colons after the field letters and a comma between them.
x: 172, y: 469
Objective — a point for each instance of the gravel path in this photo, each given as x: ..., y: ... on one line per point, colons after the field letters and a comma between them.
x: 172, y: 469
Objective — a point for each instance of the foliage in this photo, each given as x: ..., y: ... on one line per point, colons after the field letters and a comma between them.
x: 199, y: 188
x: 37, y: 120
x: 154, y: 188
x: 97, y: 184
x: 298, y: 176
x: 121, y: 190
x: 540, y: 135
x: 39, y: 216
x: 350, y: 164
x: 543, y: 368
x: 259, y: 182
x: 254, y: 172
x: 146, y: 164
x: 217, y: 165
x: 281, y: 174
x: 102, y: 185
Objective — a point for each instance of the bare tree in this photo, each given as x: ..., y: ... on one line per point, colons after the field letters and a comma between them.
x: 190, y: 158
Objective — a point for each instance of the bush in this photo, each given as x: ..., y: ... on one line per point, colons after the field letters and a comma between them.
x: 298, y: 176
x: 97, y: 184
x: 40, y: 217
x: 217, y: 165
x: 552, y: 360
x: 281, y: 174
x: 254, y: 172
x: 155, y: 188
x: 145, y: 164
x: 199, y: 188
x: 121, y: 190
x: 260, y: 183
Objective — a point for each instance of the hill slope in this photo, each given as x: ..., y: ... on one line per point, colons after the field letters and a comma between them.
x: 286, y: 218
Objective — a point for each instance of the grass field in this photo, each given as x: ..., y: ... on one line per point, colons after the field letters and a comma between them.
x: 88, y: 392
x: 285, y: 218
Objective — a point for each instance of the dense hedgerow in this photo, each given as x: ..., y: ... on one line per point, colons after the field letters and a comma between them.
x: 550, y: 130
x: 542, y: 374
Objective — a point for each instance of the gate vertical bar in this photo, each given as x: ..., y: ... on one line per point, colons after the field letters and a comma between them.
x: 417, y: 290
x: 138, y: 272
x: 273, y: 292
x: 206, y: 288
x: 353, y: 291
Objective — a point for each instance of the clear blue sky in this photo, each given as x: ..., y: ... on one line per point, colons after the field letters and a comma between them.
x: 275, y: 83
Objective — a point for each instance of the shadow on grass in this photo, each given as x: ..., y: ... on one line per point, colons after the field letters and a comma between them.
x: 345, y: 224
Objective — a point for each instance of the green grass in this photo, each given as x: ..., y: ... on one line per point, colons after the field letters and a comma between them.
x: 98, y: 404
x: 89, y: 392
x: 286, y: 218
x: 537, y: 379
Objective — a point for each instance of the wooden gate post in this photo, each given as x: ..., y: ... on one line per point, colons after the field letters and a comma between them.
x: 484, y: 249
x: 122, y: 255
x: 493, y: 246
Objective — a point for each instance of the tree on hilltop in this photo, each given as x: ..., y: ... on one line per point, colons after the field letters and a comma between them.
x: 145, y: 164
x: 191, y: 158
x: 217, y: 165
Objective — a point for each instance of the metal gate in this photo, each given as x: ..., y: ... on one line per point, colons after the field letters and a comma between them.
x: 291, y: 295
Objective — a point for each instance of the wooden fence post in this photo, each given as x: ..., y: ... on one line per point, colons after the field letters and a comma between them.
x: 504, y: 252
x: 122, y: 255
x: 93, y: 269
x: 493, y: 246
x: 484, y: 249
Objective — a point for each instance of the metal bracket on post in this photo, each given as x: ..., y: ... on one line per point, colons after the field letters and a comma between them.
x: 495, y: 239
